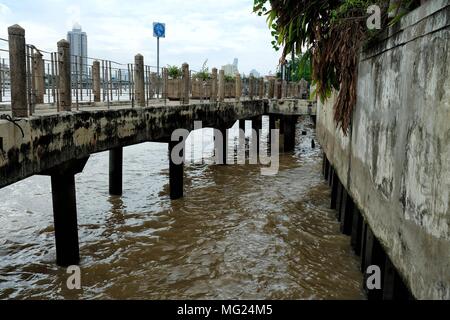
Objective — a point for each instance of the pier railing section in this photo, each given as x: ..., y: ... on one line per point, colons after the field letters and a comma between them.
x: 33, y: 78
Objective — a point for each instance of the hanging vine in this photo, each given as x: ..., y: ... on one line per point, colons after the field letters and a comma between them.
x: 333, y: 33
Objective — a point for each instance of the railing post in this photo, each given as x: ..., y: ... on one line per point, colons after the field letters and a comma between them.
x: 186, y: 82
x: 139, y: 80
x: 251, y: 87
x: 65, y: 81
x: 38, y: 77
x: 271, y: 89
x: 18, y: 73
x: 165, y: 78
x: 238, y: 87
x: 221, y: 86
x: 96, y: 80
x: 261, y: 88
x: 214, y: 85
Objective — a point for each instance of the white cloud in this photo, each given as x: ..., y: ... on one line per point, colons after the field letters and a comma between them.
x: 196, y: 30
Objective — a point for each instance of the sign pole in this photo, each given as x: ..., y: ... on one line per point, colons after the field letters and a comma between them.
x: 157, y: 59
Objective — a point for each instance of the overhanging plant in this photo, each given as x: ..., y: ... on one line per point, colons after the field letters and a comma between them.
x: 332, y: 33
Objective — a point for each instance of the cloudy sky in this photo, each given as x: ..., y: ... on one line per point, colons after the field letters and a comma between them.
x: 196, y: 30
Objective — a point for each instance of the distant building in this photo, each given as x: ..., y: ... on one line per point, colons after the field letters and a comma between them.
x: 231, y: 69
x: 255, y: 73
x: 78, y: 49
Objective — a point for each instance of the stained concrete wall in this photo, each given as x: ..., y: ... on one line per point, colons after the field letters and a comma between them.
x: 51, y: 139
x: 395, y: 162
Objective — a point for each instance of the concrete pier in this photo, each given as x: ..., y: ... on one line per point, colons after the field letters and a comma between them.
x: 115, y: 171
x: 176, y: 174
x: 288, y: 123
x: 65, y: 211
x: 221, y: 145
x: 256, y: 126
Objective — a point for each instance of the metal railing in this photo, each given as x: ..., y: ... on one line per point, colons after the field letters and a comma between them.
x: 106, y: 82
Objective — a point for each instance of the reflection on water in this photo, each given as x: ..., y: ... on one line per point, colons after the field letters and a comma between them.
x: 235, y: 234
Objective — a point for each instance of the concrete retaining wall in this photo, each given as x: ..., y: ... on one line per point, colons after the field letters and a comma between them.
x: 395, y: 163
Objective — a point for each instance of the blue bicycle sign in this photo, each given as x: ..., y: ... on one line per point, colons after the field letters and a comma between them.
x: 159, y: 30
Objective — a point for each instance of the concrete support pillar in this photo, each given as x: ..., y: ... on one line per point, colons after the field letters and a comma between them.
x: 176, y: 173
x: 221, y: 85
x: 251, y: 87
x: 272, y: 125
x: 256, y: 125
x: 18, y: 72
x: 330, y: 174
x: 356, y: 237
x: 139, y: 80
x: 38, y: 77
x: 327, y: 169
x: 346, y: 217
x: 96, y: 80
x: 374, y: 255
x: 65, y: 211
x: 186, y: 83
x: 242, y: 130
x: 334, y: 179
x: 65, y: 79
x: 339, y: 193
x: 115, y: 171
x: 221, y: 145
x: 238, y: 87
x: 393, y: 286
x: 214, y: 89
x: 288, y: 124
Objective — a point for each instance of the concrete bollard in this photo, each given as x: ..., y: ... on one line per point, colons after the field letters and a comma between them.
x: 276, y: 89
x: 261, y: 88
x: 271, y: 88
x: 238, y: 87
x: 153, y: 83
x: 221, y: 86
x: 38, y: 77
x: 18, y: 73
x: 186, y: 83
x: 165, y: 80
x: 213, y: 85
x: 251, y: 87
x: 65, y: 81
x: 139, y: 80
x: 96, y: 80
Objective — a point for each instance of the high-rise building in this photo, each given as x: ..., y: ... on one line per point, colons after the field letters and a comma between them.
x: 231, y: 69
x: 78, y: 49
x: 255, y: 73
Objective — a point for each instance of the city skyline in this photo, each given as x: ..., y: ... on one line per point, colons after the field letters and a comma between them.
x: 118, y: 30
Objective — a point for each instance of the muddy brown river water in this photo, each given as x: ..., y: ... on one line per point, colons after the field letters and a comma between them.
x: 236, y: 234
